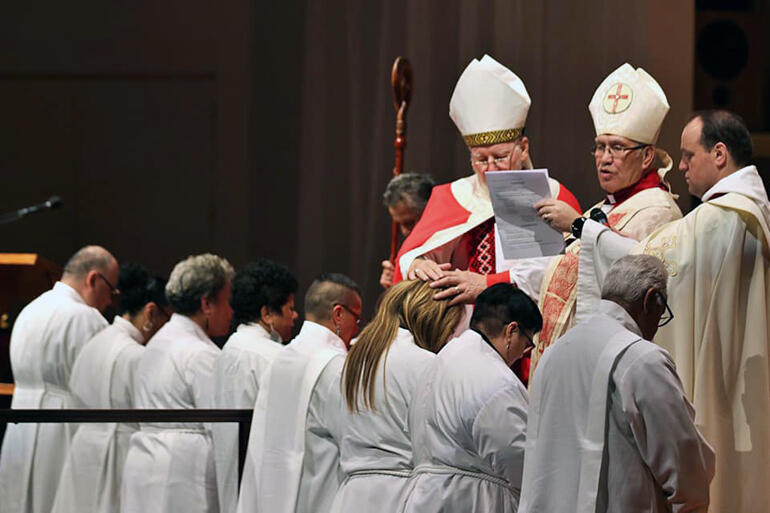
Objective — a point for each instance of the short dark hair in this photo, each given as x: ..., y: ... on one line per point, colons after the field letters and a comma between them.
x: 502, y: 304
x: 257, y: 284
x: 412, y: 188
x: 729, y: 129
x: 138, y: 286
x: 326, y: 290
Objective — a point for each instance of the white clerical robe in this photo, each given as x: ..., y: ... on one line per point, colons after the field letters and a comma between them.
x: 238, y: 370
x: 468, y: 423
x: 376, y: 451
x: 610, y: 429
x: 717, y: 258
x: 292, y: 463
x: 104, y: 377
x: 170, y: 466
x: 46, y: 339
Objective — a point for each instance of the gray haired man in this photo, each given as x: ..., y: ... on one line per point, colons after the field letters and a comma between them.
x: 405, y: 197
x: 610, y: 428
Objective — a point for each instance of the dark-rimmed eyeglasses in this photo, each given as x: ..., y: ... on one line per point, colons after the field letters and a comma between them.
x: 114, y: 291
x: 668, y: 315
x: 356, y: 316
x: 616, y: 151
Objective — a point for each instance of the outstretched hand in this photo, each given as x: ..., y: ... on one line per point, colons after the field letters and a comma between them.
x: 426, y: 270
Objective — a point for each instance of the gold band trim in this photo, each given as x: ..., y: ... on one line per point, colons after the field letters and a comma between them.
x: 493, y: 137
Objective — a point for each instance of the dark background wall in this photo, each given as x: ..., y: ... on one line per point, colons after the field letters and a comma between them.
x: 266, y: 128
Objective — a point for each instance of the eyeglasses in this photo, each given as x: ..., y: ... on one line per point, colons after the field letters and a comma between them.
x: 499, y: 162
x: 356, y: 316
x: 616, y: 150
x: 114, y: 291
x: 668, y: 315
x: 529, y: 339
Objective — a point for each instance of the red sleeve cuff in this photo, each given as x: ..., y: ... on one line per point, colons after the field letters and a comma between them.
x: 503, y: 277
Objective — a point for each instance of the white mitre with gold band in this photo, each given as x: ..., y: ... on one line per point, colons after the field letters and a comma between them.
x: 630, y: 103
x: 489, y: 104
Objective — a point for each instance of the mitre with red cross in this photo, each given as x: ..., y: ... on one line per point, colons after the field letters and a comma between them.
x: 629, y: 103
x: 489, y: 104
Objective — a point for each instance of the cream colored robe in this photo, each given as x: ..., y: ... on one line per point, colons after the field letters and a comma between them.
x: 719, y: 291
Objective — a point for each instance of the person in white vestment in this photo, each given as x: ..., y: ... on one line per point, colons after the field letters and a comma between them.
x: 468, y: 416
x: 381, y: 372
x: 104, y: 377
x: 718, y: 260
x: 292, y: 463
x: 405, y: 197
x: 170, y: 466
x: 610, y: 428
x: 262, y: 299
x: 45, y: 341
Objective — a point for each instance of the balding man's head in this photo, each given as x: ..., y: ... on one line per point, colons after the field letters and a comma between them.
x: 93, y: 272
x: 334, y: 301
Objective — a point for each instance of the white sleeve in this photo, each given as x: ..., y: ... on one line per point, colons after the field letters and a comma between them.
x: 662, y: 422
x: 528, y: 273
x: 599, y: 248
x: 500, y: 431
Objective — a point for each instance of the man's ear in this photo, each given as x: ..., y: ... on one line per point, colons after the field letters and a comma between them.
x: 207, y: 305
x: 649, y: 299
x: 524, y: 146
x: 720, y: 154
x: 648, y: 157
x: 510, y: 328
x: 264, y: 314
x: 91, y: 279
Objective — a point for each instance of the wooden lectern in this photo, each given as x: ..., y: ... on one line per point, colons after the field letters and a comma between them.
x: 23, y: 277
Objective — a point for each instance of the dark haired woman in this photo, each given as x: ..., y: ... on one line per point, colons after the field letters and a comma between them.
x: 379, y: 378
x: 103, y: 377
x: 262, y: 298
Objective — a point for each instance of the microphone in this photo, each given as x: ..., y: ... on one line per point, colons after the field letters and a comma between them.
x: 51, y: 203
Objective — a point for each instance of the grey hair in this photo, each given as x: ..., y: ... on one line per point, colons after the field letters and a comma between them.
x: 630, y: 277
x: 196, y: 277
x: 325, y: 291
x: 87, y: 259
x: 412, y: 188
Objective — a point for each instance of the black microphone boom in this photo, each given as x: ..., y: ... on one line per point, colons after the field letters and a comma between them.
x: 49, y: 204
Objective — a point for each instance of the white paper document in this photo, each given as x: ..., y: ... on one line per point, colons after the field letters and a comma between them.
x: 522, y: 233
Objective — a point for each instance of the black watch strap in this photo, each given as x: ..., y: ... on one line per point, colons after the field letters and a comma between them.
x: 577, y: 227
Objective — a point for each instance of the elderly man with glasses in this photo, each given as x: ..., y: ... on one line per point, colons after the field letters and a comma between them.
x: 455, y: 238
x: 46, y: 339
x: 610, y: 427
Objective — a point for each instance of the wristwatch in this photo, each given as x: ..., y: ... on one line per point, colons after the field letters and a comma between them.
x: 577, y: 227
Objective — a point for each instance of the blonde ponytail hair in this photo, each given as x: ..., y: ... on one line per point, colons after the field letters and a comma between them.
x: 407, y: 304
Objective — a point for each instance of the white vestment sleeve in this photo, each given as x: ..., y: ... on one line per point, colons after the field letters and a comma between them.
x: 599, y: 248
x: 662, y: 422
x: 528, y: 274
x: 500, y: 431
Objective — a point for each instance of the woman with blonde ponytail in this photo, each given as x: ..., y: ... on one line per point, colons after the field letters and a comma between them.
x: 378, y: 380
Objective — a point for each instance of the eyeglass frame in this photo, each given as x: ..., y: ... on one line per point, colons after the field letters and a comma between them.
x: 114, y: 291
x: 668, y: 311
x: 612, y: 148
x: 499, y: 161
x: 356, y: 316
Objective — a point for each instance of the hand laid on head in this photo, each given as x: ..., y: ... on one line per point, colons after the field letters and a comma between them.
x: 461, y: 286
x: 558, y: 214
x: 426, y: 270
x: 386, y: 278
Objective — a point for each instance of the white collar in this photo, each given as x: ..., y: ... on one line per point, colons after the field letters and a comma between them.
x: 314, y: 331
x: 745, y: 181
x: 189, y: 325
x: 62, y: 288
x: 617, y: 312
x: 259, y: 331
x: 129, y: 329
